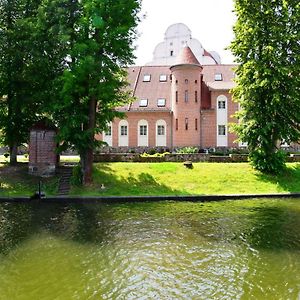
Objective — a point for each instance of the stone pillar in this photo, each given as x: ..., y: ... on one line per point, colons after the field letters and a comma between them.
x: 43, y: 159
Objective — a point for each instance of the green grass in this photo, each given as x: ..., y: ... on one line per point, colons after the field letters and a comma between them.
x: 174, y: 179
x: 15, y: 181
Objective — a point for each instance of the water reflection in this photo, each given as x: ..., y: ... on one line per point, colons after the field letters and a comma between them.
x: 228, y: 250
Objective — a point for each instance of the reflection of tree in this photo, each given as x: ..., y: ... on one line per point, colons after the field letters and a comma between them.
x: 275, y: 228
x: 78, y: 222
x: 15, y: 225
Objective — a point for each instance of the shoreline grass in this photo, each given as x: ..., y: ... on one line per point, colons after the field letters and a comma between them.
x: 155, y: 179
x: 145, y: 179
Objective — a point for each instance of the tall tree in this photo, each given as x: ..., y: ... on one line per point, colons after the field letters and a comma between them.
x: 17, y: 84
x: 98, y: 37
x: 267, y: 49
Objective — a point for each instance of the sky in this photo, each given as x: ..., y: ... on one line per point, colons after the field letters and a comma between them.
x: 210, y: 22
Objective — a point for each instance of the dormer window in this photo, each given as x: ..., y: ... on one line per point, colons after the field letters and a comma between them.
x: 147, y: 78
x: 162, y: 77
x: 161, y: 102
x: 143, y: 102
x: 218, y: 77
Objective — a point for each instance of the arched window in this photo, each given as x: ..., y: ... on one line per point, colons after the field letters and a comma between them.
x: 161, y: 133
x: 143, y: 133
x: 123, y: 133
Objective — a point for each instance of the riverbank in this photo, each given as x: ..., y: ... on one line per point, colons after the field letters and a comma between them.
x: 158, y: 179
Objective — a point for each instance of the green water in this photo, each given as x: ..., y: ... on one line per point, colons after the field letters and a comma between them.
x: 167, y: 250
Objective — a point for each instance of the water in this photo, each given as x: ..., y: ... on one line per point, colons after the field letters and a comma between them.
x: 166, y: 250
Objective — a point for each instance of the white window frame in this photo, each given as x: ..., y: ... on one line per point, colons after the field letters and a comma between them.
x: 143, y: 135
x: 161, y: 102
x: 162, y: 77
x: 218, y: 77
x: 223, y: 131
x: 161, y: 134
x: 123, y: 136
x: 147, y: 78
x: 222, y: 120
x: 143, y: 103
x: 221, y: 104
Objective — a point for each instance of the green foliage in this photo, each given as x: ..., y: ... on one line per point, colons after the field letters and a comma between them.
x: 273, y: 164
x: 155, y: 154
x: 96, y: 37
x: 76, y: 178
x: 266, y: 47
x: 187, y: 150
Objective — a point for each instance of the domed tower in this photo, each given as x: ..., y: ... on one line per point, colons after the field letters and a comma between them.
x: 186, y: 99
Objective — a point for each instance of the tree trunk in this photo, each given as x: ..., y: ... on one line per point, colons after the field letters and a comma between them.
x: 13, y: 150
x: 88, y: 155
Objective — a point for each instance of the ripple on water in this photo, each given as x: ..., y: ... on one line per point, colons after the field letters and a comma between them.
x: 228, y: 250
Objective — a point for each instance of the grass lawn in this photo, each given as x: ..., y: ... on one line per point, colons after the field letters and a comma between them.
x: 174, y: 179
x: 15, y: 181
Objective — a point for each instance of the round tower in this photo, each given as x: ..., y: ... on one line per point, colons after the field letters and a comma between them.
x: 186, y: 97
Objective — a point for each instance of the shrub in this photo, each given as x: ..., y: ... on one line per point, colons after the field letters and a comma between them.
x: 187, y: 150
x: 152, y: 151
x: 76, y: 178
x: 271, y: 164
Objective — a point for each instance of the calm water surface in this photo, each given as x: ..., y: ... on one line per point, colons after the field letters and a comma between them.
x: 167, y: 250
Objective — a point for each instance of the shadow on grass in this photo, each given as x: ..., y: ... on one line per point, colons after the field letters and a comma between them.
x: 15, y: 181
x: 288, y: 180
x: 143, y: 184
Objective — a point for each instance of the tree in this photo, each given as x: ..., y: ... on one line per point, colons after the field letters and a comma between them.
x: 97, y: 38
x: 266, y: 47
x: 16, y: 84
x: 29, y: 63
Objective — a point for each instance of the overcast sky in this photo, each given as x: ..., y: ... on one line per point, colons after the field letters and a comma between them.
x: 210, y: 22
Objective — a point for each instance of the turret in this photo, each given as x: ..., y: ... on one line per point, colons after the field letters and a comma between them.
x: 186, y: 99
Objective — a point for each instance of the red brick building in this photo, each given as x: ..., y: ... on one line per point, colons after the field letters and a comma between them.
x: 182, y: 104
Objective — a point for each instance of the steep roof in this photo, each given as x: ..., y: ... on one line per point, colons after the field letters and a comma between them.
x: 187, y: 57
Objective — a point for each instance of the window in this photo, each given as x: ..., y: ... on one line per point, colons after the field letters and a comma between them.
x: 147, y: 78
x: 196, y: 96
x: 221, y: 104
x: 163, y: 77
x: 176, y: 96
x: 123, y: 130
x: 221, y: 130
x: 160, y: 130
x: 218, y: 77
x: 176, y: 124
x: 161, y: 102
x: 196, y: 124
x: 176, y: 81
x: 143, y: 102
x: 186, y: 96
x: 186, y: 81
x: 186, y: 123
x: 108, y: 131
x: 196, y: 81
x: 143, y: 129
x: 171, y: 53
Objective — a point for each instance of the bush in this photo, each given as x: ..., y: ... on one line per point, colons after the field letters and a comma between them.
x: 155, y: 154
x: 151, y: 151
x: 270, y: 164
x: 76, y: 178
x: 187, y: 150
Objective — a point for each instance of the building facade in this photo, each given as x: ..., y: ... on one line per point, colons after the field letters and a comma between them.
x: 180, y: 101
